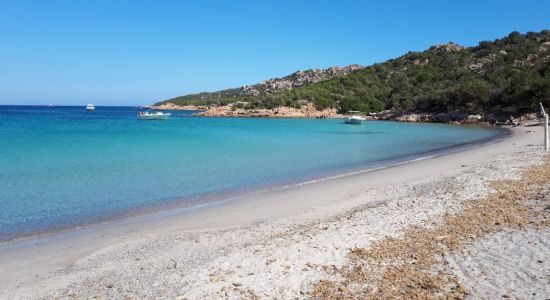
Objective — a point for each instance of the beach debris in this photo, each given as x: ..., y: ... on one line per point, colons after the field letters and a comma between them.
x: 413, y: 265
x: 172, y: 265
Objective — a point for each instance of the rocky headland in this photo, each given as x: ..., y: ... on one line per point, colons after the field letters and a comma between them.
x: 446, y: 83
x: 308, y: 110
x: 267, y: 87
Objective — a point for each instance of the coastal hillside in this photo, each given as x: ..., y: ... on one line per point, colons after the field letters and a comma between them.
x: 266, y: 87
x: 505, y: 76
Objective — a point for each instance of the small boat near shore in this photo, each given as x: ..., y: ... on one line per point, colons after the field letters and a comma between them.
x: 90, y: 107
x: 153, y: 116
x: 354, y: 119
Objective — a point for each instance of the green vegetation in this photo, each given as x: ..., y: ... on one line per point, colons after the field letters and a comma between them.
x: 509, y: 75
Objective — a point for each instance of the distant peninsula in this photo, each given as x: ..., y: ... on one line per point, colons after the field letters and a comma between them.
x: 445, y: 83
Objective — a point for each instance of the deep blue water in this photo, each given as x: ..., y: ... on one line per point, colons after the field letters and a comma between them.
x: 62, y: 166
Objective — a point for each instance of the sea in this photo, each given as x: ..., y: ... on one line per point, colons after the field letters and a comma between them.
x: 63, y: 167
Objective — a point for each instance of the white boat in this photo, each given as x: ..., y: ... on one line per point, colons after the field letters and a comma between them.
x: 354, y: 119
x: 90, y: 107
x: 153, y: 116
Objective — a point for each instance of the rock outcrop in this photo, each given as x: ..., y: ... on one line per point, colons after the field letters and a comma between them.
x: 172, y: 106
x: 449, y: 47
x: 296, y: 79
x: 306, y: 111
x: 452, y: 118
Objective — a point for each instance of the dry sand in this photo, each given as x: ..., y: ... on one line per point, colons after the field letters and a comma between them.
x: 309, y: 241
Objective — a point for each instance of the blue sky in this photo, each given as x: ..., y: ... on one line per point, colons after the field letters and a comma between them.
x: 139, y: 52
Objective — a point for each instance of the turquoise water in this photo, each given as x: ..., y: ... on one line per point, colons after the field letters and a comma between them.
x: 62, y: 166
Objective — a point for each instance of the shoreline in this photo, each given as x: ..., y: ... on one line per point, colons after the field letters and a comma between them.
x: 51, y: 265
x: 310, y: 112
x: 194, y: 203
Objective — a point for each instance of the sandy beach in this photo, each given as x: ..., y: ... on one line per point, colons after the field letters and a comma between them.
x: 471, y: 224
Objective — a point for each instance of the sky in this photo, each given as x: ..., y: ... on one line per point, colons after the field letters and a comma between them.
x: 139, y: 52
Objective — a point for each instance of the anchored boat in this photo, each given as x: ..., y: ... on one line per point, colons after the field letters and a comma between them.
x: 90, y: 107
x: 153, y: 116
x: 354, y: 119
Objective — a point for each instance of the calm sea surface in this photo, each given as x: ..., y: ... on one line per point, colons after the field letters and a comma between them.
x: 62, y: 167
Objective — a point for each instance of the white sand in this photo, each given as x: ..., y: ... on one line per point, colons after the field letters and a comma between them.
x: 516, y: 263
x: 273, y: 244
